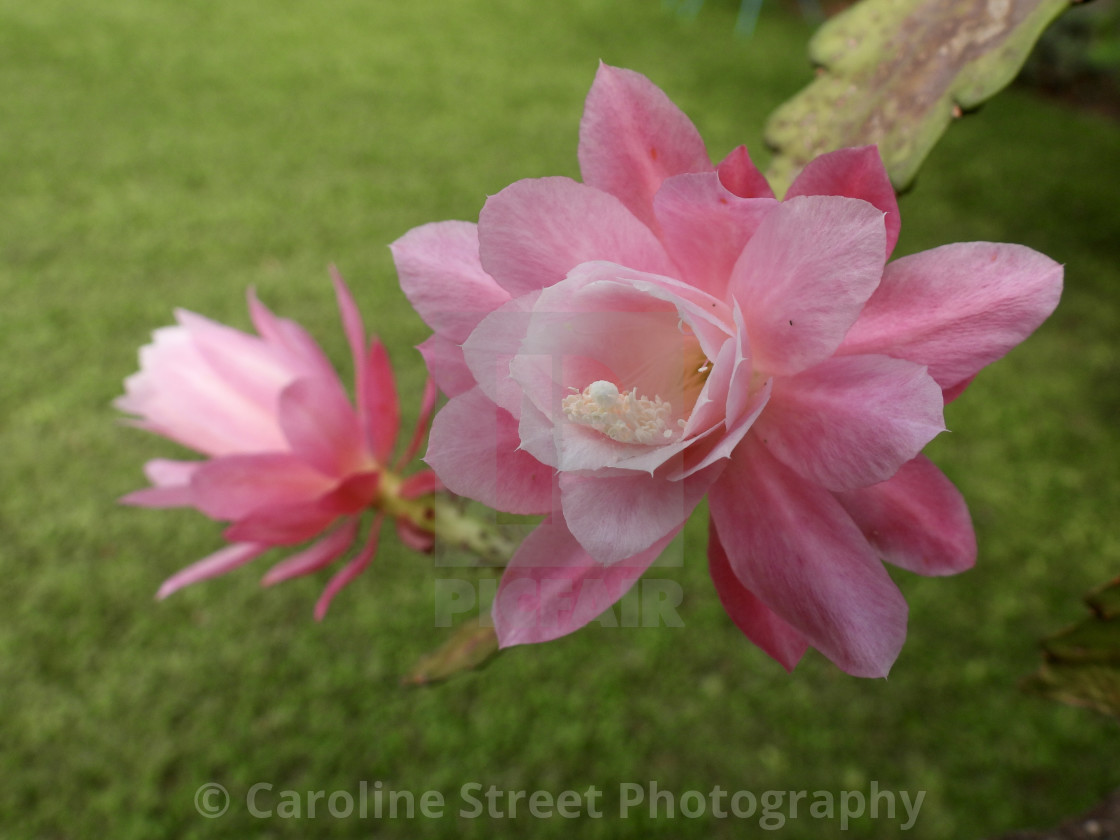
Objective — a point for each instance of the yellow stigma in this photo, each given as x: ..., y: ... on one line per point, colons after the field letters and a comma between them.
x: 624, y: 417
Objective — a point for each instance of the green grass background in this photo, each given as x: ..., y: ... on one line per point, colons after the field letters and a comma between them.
x: 157, y: 154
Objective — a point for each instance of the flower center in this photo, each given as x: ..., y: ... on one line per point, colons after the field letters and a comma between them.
x: 621, y: 416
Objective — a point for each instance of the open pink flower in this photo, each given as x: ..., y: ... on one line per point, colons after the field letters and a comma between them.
x: 290, y: 458
x: 618, y: 349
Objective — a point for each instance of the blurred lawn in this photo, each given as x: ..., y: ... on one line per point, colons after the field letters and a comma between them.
x: 157, y: 154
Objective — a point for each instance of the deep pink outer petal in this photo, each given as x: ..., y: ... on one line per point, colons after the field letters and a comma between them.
x: 291, y: 342
x: 852, y: 421
x: 757, y: 621
x: 374, y: 386
x: 473, y: 448
x: 348, y: 572
x: 535, y: 231
x: 321, y: 553
x: 917, y: 520
x: 738, y: 173
x: 804, y: 276
x: 442, y: 277
x: 957, y: 308
x: 282, y: 525
x: 237, y: 485
x: 792, y: 544
x: 552, y: 587
x: 856, y: 173
x: 632, y: 137
x: 380, y: 403
x: 171, y: 484
x: 218, y: 563
x: 321, y: 426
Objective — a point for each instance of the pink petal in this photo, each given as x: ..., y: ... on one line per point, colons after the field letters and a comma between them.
x: 856, y: 173
x: 236, y: 485
x: 375, y: 388
x: 442, y: 277
x: 165, y: 472
x: 290, y: 341
x: 218, y: 563
x: 852, y: 421
x: 245, y: 364
x: 804, y: 276
x: 282, y: 525
x: 322, y: 428
x: 632, y: 137
x: 957, y: 308
x: 707, y: 454
x: 493, y: 345
x: 738, y: 173
x: 348, y: 572
x: 473, y: 448
x: 172, y: 485
x: 446, y: 365
x: 552, y: 587
x: 917, y: 520
x: 757, y: 621
x: 159, y: 497
x: 792, y: 544
x: 705, y: 227
x: 535, y: 231
x: 615, y: 517
x: 380, y: 403
x: 179, y: 395
x: 322, y: 553
x: 427, y: 408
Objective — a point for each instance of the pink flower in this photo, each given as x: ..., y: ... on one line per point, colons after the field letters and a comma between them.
x: 618, y: 349
x: 290, y: 458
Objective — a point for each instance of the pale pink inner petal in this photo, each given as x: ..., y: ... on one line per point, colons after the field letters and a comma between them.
x: 493, y: 344
x: 179, y: 395
x: 164, y: 472
x: 246, y: 364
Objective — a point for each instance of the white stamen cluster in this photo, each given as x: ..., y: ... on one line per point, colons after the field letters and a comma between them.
x: 624, y: 417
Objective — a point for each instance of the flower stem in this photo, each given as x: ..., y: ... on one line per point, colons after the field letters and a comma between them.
x: 452, y: 526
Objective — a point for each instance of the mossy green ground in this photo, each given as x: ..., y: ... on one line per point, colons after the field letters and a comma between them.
x: 155, y: 155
